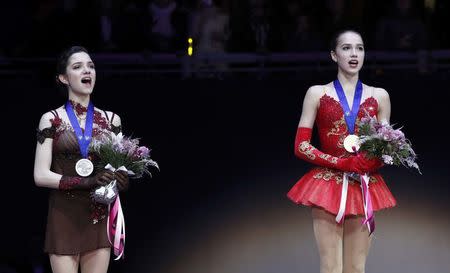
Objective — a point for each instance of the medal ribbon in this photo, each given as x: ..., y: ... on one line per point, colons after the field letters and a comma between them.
x: 83, y: 138
x: 349, y: 115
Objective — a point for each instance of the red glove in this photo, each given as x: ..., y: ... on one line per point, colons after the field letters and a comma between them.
x: 85, y: 183
x: 369, y: 165
x: 307, y: 152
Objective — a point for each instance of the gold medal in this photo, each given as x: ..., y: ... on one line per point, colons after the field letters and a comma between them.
x: 351, y: 143
x: 84, y: 167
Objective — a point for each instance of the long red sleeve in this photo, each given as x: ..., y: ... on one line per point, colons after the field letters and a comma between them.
x: 304, y: 150
x: 355, y: 163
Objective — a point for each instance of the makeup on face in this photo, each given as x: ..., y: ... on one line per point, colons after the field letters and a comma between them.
x: 349, y: 52
x: 80, y: 73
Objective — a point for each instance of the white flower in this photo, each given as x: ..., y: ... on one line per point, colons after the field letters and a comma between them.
x: 387, y: 159
x: 116, y: 138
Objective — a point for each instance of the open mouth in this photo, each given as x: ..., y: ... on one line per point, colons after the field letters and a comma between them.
x: 353, y: 63
x: 86, y: 80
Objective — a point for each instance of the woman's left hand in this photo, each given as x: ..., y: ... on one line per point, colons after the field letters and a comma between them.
x: 369, y: 165
x: 122, y: 180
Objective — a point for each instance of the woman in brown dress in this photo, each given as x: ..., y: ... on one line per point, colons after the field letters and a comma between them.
x: 76, y: 235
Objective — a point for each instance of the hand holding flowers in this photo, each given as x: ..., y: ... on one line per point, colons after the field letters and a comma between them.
x: 380, y: 140
x: 123, y: 156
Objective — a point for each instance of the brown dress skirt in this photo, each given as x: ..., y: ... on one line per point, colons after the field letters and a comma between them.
x: 70, y: 227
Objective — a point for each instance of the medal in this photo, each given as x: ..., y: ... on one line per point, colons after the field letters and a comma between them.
x: 84, y: 167
x: 351, y: 143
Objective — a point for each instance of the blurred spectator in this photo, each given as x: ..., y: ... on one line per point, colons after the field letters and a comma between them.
x: 333, y: 17
x: 167, y: 24
x: 210, y: 30
x: 130, y: 27
x: 441, y: 34
x: 106, y: 24
x: 45, y: 25
x: 210, y: 27
x: 402, y: 29
x: 259, y: 23
x: 85, y: 24
x: 336, y: 14
x: 255, y: 26
x: 304, y: 37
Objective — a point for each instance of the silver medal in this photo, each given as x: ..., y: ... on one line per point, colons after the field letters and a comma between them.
x: 84, y: 167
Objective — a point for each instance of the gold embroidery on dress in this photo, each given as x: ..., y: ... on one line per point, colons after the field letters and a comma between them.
x: 340, y: 129
x: 305, y: 148
x: 336, y: 175
x: 329, y: 158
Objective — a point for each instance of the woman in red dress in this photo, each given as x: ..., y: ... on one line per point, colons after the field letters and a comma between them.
x: 343, y: 242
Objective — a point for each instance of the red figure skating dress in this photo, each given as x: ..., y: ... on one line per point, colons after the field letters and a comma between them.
x: 321, y: 186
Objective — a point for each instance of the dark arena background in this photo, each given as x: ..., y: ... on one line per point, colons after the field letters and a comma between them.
x: 221, y: 123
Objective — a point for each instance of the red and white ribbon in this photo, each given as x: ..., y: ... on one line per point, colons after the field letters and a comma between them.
x: 369, y: 219
x: 116, y: 228
x: 367, y: 202
x: 341, y: 212
x: 116, y: 221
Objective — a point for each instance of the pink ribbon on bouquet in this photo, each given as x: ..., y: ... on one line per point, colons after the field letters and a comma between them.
x: 116, y: 221
x: 369, y: 219
x: 116, y: 228
x: 367, y: 202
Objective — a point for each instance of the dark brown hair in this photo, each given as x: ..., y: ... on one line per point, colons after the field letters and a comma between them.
x: 337, y: 34
x: 61, y: 64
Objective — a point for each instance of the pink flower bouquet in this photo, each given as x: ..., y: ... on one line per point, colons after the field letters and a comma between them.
x: 381, y: 140
x: 115, y: 153
x: 119, y: 150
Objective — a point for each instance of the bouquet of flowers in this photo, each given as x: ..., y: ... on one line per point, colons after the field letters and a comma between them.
x: 118, y: 153
x: 115, y: 153
x: 381, y: 140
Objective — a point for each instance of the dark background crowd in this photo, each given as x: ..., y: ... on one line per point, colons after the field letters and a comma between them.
x: 44, y: 27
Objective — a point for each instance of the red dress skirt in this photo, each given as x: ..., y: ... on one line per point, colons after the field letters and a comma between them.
x: 321, y: 187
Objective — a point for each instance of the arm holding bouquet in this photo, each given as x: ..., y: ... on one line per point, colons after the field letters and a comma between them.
x: 45, y: 177
x: 304, y: 150
x: 379, y: 140
x: 123, y: 156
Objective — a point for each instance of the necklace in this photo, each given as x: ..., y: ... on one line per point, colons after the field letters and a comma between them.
x: 80, y: 111
x: 80, y: 118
